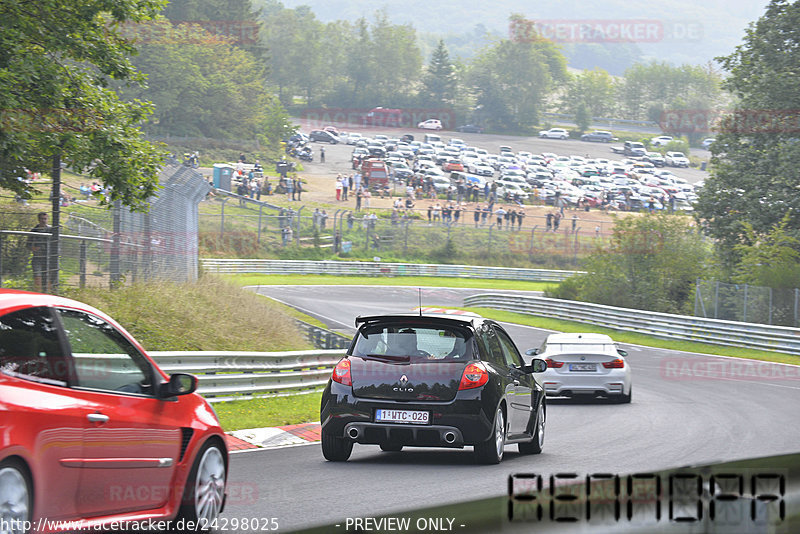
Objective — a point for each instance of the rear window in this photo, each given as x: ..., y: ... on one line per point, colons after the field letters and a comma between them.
x: 420, y: 343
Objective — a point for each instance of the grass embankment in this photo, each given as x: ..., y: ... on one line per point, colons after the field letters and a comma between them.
x: 212, y: 314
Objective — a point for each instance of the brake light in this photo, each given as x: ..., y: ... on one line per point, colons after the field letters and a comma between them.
x: 341, y: 373
x: 614, y: 364
x: 475, y: 375
x: 553, y: 363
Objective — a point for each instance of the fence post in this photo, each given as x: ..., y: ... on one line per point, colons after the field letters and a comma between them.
x: 745, y: 304
x: 716, y: 300
x: 796, y: 294
x: 489, y: 242
x: 114, y: 260
x: 82, y: 264
x: 297, y: 241
x: 222, y: 220
x: 770, y: 305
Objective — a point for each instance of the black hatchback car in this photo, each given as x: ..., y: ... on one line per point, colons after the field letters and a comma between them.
x: 433, y: 381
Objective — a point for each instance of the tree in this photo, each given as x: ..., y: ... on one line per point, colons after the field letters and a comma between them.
x: 512, y: 78
x: 56, y: 61
x: 757, y: 154
x: 652, y: 264
x: 592, y: 91
x: 648, y: 90
x: 439, y: 80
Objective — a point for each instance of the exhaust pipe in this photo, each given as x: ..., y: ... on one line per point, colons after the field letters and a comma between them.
x: 449, y: 437
x: 353, y: 432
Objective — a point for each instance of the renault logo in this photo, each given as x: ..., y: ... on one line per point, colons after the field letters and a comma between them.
x: 583, y: 358
x: 403, y: 380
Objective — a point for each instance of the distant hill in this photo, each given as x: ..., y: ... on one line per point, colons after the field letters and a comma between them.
x: 714, y: 27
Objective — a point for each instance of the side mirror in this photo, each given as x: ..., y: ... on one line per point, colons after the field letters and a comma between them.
x: 536, y: 366
x: 179, y: 384
x: 532, y: 352
x: 622, y: 353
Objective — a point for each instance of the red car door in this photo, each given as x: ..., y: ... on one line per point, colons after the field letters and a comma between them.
x: 41, y: 420
x: 131, y: 437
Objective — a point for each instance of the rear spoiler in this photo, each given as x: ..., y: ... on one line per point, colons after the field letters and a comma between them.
x: 405, y: 317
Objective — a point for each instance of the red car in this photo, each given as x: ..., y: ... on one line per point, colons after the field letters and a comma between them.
x: 93, y: 430
x: 453, y: 165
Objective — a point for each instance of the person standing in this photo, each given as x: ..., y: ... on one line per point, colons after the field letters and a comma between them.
x: 39, y: 248
x: 298, y: 187
x: 359, y: 196
x: 322, y: 154
x: 345, y: 186
x: 338, y: 190
x: 289, y: 189
x: 367, y: 196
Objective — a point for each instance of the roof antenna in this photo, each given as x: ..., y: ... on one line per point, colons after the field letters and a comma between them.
x: 420, y: 301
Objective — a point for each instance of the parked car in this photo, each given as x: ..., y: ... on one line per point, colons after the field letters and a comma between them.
x: 599, y: 136
x: 453, y: 165
x: 676, y: 159
x: 323, y: 136
x: 707, y: 142
x: 480, y: 168
x: 661, y: 140
x: 430, y: 124
x: 470, y: 128
x: 584, y: 364
x: 353, y: 138
x: 89, y: 418
x: 655, y: 158
x: 554, y: 133
x: 433, y: 381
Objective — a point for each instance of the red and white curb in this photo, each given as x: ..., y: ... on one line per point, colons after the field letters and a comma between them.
x: 272, y: 438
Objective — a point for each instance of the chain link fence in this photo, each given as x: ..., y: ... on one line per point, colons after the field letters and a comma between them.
x: 99, y: 246
x: 249, y: 227
x: 747, y: 303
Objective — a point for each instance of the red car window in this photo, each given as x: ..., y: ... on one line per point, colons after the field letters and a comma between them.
x: 30, y: 347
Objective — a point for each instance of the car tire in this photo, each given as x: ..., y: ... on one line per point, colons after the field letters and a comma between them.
x: 535, y: 445
x: 625, y: 399
x: 391, y: 447
x: 204, y: 493
x: 16, y: 492
x: 335, y: 449
x: 491, y: 450
x: 563, y: 137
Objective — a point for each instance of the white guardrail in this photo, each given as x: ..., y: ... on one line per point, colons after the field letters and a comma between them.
x: 662, y: 325
x: 361, y: 268
x: 227, y: 376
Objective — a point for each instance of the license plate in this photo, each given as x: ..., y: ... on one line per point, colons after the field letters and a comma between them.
x: 412, y: 417
x: 582, y: 367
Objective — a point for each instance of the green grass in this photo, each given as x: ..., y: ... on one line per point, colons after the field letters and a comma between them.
x: 413, y: 281
x: 269, y: 411
x: 210, y: 314
x: 635, y: 338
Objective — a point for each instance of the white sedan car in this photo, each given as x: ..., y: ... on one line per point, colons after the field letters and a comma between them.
x: 584, y: 364
x: 554, y: 133
x: 480, y: 168
x: 676, y: 159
